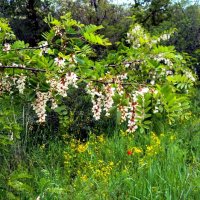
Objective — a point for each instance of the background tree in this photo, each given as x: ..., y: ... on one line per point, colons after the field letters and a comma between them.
x: 26, y: 17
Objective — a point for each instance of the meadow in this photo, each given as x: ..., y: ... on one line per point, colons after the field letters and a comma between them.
x: 119, y: 166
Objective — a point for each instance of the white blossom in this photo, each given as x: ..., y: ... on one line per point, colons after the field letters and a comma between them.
x: 53, y: 104
x: 62, y: 85
x: 190, y: 76
x: 132, y: 126
x: 124, y: 112
x: 40, y: 105
x: 169, y: 72
x: 165, y: 36
x: 20, y: 81
x: 6, y: 47
x: 59, y: 61
x: 97, y: 101
x: 108, y: 99
x: 152, y: 82
x: 44, y: 48
x: 160, y: 58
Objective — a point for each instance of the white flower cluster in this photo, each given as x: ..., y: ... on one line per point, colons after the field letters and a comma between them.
x: 97, y: 101
x: 59, y: 61
x: 129, y: 112
x: 108, y: 99
x: 118, y: 81
x: 58, y: 31
x: 122, y: 77
x: 44, y: 48
x: 137, y: 36
x: 124, y: 112
x: 21, y: 81
x: 72, y: 59
x: 160, y: 58
x: 141, y: 91
x: 5, y: 84
x: 97, y: 105
x: 134, y: 36
x: 156, y: 109
x: 101, y: 101
x: 53, y: 103
x: 190, y: 76
x: 164, y: 37
x: 132, y: 126
x: 62, y: 85
x: 40, y: 105
x: 18, y: 65
x: 6, y: 47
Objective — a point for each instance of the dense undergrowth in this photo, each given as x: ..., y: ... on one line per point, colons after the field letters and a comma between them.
x: 121, y: 166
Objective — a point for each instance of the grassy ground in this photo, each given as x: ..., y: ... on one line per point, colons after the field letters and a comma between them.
x: 165, y: 166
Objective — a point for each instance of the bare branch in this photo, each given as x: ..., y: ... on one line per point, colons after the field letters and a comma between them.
x: 28, y: 48
x: 23, y: 68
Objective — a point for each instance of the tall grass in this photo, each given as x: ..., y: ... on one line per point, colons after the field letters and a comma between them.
x: 121, y: 166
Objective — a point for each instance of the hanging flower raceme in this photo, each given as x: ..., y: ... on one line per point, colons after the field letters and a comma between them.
x: 129, y: 114
x: 61, y: 86
x: 40, y: 105
x: 134, y: 36
x: 97, y: 106
x: 108, y: 99
x: 53, y: 103
x: 20, y: 83
x: 5, y: 84
x: 132, y: 126
x: 118, y: 81
x: 101, y: 100
x: 97, y: 100
x: 124, y: 112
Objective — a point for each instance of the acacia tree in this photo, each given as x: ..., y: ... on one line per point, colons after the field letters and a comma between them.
x: 147, y: 84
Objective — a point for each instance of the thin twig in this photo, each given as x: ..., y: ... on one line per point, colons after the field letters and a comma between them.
x: 28, y: 48
x: 23, y: 68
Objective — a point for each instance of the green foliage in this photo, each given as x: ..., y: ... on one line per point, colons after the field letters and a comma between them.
x: 56, y: 94
x: 152, y: 72
x: 6, y: 32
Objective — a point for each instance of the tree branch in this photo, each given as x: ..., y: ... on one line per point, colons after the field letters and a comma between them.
x: 27, y: 48
x: 23, y: 68
x: 88, y: 79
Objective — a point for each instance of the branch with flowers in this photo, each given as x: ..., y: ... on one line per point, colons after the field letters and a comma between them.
x: 143, y: 81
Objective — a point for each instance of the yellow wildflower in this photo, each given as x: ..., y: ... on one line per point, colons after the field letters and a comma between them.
x: 84, y: 178
x: 137, y: 150
x: 100, y: 138
x: 82, y: 148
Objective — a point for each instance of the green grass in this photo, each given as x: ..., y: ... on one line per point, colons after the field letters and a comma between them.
x: 167, y: 167
x: 121, y: 166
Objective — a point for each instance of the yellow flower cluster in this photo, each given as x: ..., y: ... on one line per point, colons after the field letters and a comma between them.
x: 137, y: 150
x: 151, y: 150
x: 82, y: 147
x: 154, y: 147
